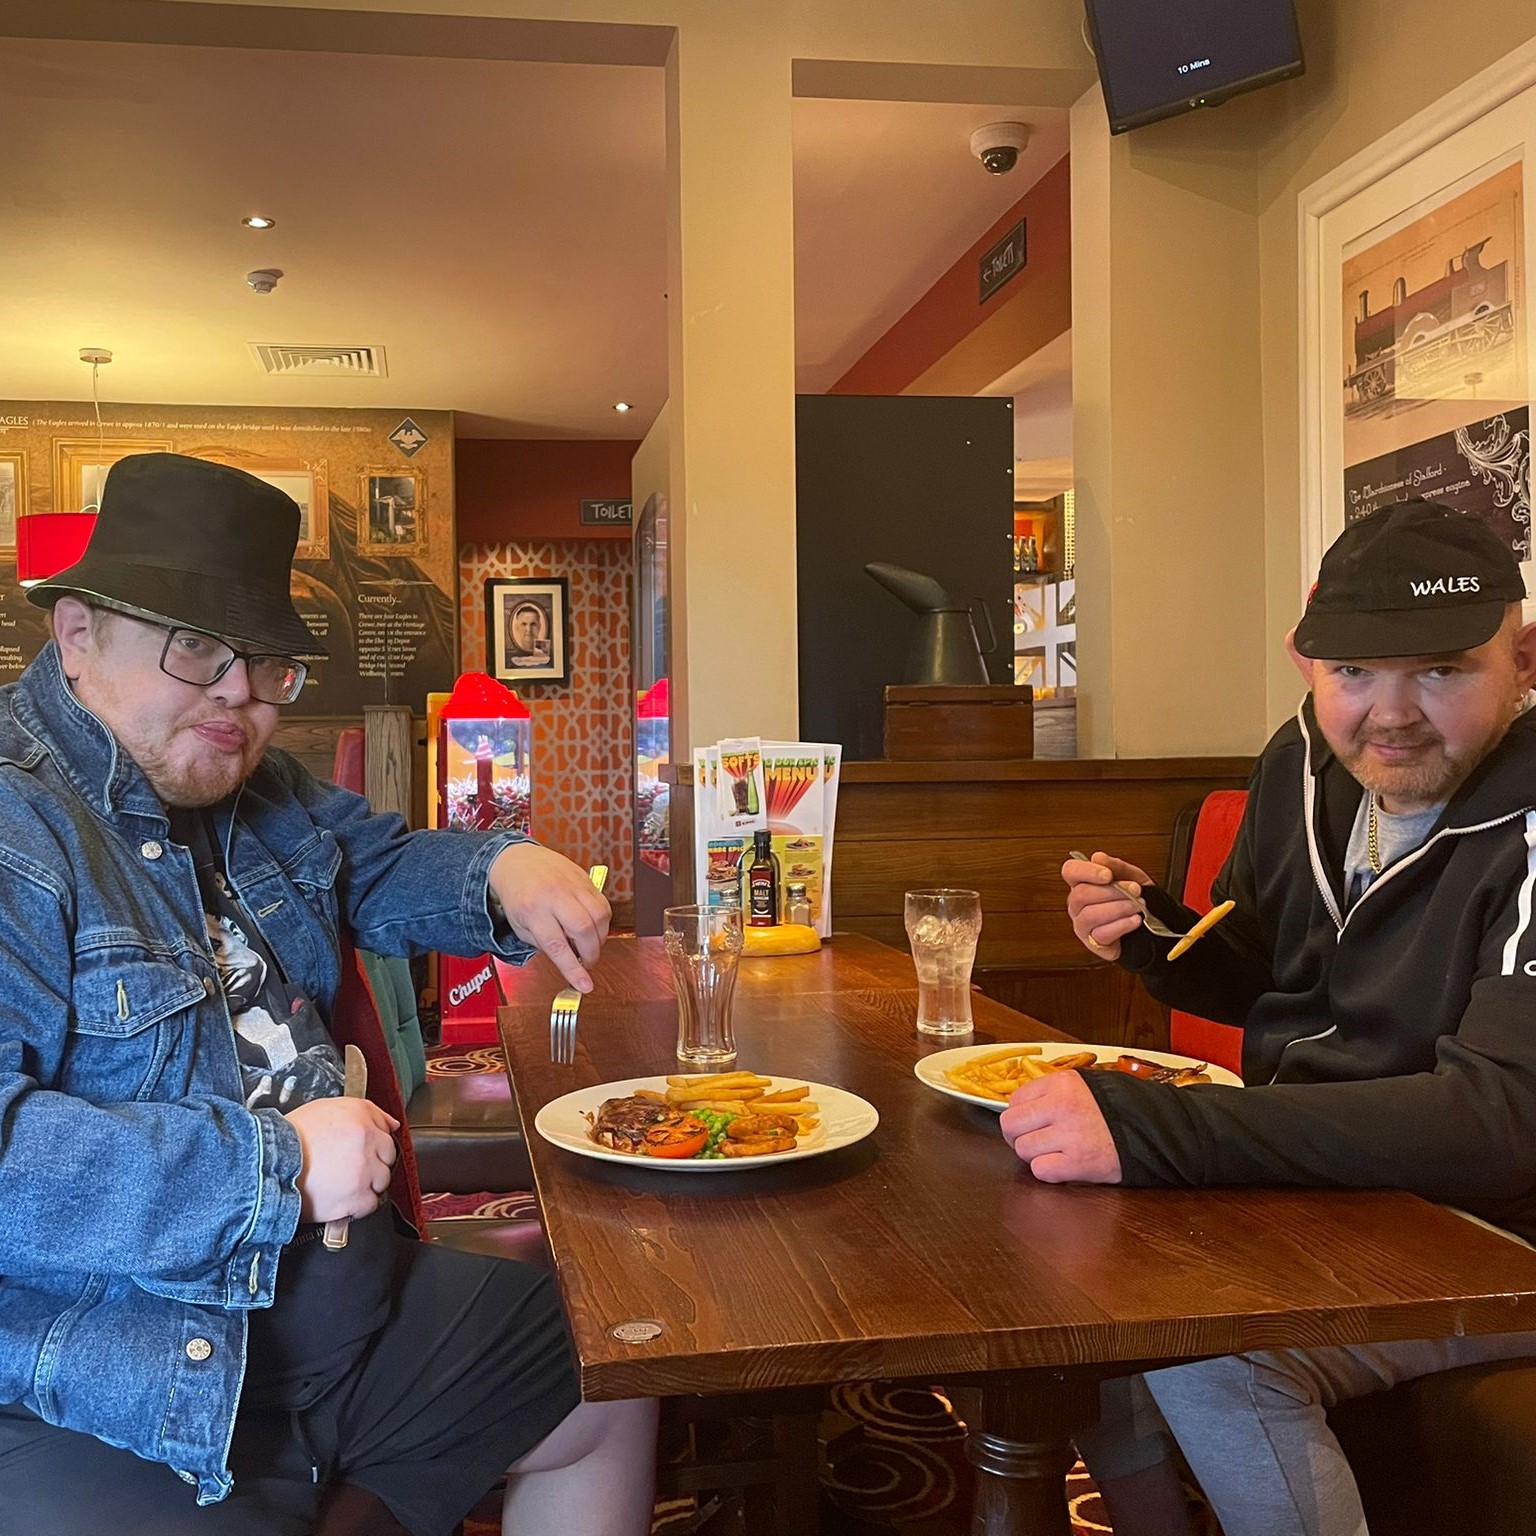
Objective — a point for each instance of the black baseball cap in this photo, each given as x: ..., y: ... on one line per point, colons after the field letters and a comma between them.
x: 1412, y: 579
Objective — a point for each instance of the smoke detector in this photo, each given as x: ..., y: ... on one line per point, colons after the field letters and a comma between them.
x: 263, y: 279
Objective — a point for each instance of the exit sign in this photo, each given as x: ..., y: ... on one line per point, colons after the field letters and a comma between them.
x: 1005, y: 260
x: 607, y: 514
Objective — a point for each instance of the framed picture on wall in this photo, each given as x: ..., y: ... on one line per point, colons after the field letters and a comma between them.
x: 1417, y: 326
x: 392, y: 511
x: 527, y: 625
x: 80, y: 467
x: 13, y: 496
x: 306, y: 483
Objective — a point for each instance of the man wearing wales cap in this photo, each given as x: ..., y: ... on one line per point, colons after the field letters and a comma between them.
x: 1381, y: 962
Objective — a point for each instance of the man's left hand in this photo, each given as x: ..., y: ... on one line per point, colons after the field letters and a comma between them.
x: 552, y: 905
x: 1056, y: 1126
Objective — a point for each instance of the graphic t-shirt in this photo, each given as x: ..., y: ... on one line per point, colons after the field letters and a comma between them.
x: 287, y: 1056
x: 329, y: 1303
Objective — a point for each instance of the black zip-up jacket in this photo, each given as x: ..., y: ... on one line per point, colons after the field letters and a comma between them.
x: 1392, y: 1044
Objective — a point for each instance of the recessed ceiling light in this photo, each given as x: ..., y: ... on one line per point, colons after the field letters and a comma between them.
x: 258, y: 221
x: 623, y: 405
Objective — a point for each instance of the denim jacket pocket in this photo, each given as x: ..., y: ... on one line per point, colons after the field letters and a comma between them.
x: 314, y: 871
x: 118, y: 1039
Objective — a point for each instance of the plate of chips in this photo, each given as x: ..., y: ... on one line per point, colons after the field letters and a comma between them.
x: 987, y: 1075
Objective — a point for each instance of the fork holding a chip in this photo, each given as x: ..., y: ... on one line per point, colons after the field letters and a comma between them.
x: 1154, y: 925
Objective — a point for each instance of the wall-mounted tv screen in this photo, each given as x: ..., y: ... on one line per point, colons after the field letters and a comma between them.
x: 1158, y: 58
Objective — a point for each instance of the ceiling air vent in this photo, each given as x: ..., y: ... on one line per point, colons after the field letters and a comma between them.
x: 349, y: 362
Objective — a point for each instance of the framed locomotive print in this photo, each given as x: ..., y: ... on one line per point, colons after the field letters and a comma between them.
x: 1417, y: 327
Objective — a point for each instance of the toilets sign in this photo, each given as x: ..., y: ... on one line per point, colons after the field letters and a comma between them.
x: 607, y: 514
x: 1004, y: 261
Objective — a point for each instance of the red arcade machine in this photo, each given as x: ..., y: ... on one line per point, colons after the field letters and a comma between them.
x: 484, y: 783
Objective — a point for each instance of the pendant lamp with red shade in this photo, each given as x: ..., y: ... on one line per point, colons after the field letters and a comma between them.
x: 49, y: 542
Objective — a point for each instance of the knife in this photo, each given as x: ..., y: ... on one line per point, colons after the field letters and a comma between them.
x: 355, y: 1087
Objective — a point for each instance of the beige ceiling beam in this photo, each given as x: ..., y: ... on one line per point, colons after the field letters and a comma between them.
x: 317, y: 30
x: 966, y: 84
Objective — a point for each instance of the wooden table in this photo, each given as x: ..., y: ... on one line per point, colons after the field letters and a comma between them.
x: 636, y: 970
x: 928, y: 1252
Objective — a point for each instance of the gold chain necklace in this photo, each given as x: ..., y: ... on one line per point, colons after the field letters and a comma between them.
x: 1372, y: 836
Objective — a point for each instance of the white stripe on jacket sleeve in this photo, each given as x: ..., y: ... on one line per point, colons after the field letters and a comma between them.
x: 1511, y: 949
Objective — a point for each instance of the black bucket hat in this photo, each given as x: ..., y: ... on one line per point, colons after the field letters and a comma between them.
x: 1413, y: 579
x: 199, y: 544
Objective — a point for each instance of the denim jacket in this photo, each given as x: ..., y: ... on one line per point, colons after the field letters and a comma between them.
x: 143, y: 1208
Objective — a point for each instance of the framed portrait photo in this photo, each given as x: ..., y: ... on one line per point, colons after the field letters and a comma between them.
x: 392, y: 511
x: 527, y: 624
x: 13, y: 496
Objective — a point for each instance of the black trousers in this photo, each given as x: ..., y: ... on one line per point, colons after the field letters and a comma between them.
x: 472, y: 1370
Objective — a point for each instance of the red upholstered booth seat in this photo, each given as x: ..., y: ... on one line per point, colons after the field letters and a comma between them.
x: 348, y: 768
x: 1214, y: 833
x: 467, y: 1135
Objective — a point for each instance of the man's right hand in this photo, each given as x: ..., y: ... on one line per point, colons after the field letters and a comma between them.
x: 1102, y: 914
x: 349, y: 1150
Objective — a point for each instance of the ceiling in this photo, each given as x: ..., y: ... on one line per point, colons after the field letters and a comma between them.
x: 887, y: 198
x: 497, y: 227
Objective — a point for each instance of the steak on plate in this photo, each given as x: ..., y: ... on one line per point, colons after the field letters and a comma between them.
x: 622, y: 1123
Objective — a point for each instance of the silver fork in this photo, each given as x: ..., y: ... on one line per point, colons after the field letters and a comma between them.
x: 567, y: 1003
x: 1154, y: 925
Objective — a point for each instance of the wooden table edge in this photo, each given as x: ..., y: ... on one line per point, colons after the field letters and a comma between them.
x: 999, y: 1352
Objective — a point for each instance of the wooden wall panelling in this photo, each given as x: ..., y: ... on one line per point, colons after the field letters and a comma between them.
x: 1095, y: 1001
x: 312, y: 740
x: 1004, y: 829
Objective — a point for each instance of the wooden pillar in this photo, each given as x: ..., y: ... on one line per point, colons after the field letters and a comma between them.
x: 387, y: 774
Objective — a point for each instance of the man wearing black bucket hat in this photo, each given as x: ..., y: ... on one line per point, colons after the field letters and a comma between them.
x: 172, y: 1137
x: 1381, y: 961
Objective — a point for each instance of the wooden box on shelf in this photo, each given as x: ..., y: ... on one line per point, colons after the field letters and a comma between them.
x: 964, y: 723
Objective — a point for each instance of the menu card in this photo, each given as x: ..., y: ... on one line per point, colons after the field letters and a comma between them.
x: 744, y: 784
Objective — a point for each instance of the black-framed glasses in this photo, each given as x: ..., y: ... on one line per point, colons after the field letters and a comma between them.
x: 191, y: 656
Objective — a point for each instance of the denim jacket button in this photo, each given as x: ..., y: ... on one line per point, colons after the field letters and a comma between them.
x: 198, y: 1349
x: 151, y: 849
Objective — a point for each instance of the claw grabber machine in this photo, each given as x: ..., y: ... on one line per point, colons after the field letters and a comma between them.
x: 484, y: 783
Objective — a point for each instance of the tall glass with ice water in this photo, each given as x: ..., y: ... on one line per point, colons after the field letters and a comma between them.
x: 943, y: 926
x: 704, y: 945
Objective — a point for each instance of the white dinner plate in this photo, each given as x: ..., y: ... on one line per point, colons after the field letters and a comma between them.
x: 845, y: 1119
x: 932, y: 1070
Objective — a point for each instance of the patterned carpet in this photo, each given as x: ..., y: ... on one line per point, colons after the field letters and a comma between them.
x: 893, y: 1459
x: 899, y: 1469
x: 462, y: 1061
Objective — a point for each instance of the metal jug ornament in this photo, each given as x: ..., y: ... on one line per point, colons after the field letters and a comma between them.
x: 945, y: 649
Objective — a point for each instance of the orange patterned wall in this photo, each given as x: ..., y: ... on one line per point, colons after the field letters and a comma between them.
x: 583, y: 741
